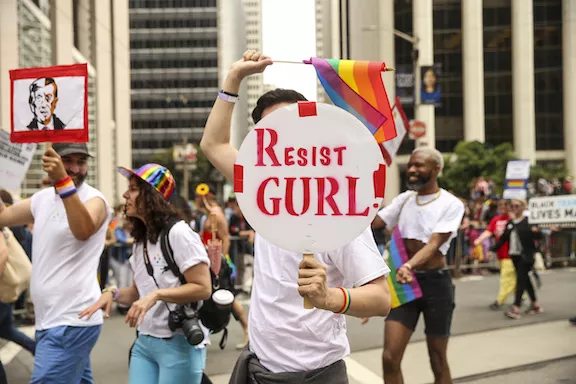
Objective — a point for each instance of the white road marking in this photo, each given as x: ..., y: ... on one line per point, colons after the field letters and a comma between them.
x: 471, y: 278
x: 360, y: 373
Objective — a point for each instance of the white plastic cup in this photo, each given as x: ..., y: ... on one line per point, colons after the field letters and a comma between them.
x: 223, y: 297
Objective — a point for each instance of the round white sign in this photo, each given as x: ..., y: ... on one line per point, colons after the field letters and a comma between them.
x: 309, y: 177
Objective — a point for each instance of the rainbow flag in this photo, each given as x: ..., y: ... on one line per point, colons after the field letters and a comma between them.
x: 516, y: 184
x: 397, y: 256
x: 357, y: 87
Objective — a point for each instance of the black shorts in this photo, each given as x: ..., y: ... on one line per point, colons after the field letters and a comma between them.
x: 437, y: 304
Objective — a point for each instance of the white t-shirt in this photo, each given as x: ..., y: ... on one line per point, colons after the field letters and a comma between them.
x: 419, y: 222
x: 188, y: 251
x: 285, y: 336
x: 64, y: 269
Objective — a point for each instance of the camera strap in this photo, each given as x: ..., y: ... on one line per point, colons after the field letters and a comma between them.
x: 150, y: 269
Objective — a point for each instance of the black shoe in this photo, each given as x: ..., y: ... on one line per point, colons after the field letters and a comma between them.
x: 572, y: 320
x: 122, y: 310
x: 495, y: 306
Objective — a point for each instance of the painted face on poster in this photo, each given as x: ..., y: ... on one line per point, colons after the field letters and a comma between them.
x: 49, y: 107
x: 309, y: 177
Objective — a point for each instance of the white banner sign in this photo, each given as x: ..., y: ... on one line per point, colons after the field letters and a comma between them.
x: 515, y: 194
x: 14, y: 161
x: 518, y: 170
x: 552, y: 210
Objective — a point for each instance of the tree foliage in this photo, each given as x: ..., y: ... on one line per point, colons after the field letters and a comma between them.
x: 472, y: 159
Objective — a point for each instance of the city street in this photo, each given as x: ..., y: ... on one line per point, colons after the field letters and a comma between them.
x: 486, y: 347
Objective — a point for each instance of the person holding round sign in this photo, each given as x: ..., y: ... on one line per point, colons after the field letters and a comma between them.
x: 308, y: 179
x: 427, y: 218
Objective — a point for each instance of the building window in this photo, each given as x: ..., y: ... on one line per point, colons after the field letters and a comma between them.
x: 172, y: 3
x: 498, y: 72
x: 548, y: 74
x: 448, y: 52
x: 176, y: 83
x: 184, y: 23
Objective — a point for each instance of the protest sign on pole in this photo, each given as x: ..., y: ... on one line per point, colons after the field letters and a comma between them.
x: 309, y: 178
x: 553, y: 210
x: 49, y: 104
x: 517, y: 174
x: 15, y: 160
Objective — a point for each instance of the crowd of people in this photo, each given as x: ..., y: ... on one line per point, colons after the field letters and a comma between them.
x: 167, y: 253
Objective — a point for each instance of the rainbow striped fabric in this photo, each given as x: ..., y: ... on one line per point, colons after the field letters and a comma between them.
x: 156, y: 175
x: 357, y: 87
x: 516, y: 184
x: 65, y: 187
x: 397, y: 256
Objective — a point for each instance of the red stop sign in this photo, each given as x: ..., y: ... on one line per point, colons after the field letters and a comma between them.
x: 417, y: 129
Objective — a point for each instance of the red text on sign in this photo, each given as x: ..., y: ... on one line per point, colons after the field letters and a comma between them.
x: 326, y: 189
x: 291, y: 155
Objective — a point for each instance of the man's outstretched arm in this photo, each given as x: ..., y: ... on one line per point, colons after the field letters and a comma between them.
x: 215, y: 142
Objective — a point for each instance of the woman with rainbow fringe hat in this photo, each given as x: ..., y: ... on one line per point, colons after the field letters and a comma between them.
x: 162, y: 353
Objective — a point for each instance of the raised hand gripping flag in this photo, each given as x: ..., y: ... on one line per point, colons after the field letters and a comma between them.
x: 397, y: 256
x: 357, y: 87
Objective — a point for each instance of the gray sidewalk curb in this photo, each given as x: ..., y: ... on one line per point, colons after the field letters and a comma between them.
x: 540, y: 364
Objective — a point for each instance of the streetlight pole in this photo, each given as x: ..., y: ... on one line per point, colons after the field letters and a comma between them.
x: 415, y: 65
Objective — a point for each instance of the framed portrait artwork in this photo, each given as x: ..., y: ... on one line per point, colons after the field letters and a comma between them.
x: 49, y: 104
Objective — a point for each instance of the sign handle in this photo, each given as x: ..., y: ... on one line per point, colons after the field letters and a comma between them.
x: 307, y: 302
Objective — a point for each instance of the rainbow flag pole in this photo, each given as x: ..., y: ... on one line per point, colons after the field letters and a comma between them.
x: 357, y: 87
x: 400, y: 293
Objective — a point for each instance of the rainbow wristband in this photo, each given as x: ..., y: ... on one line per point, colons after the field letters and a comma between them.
x: 65, y: 187
x: 347, y: 301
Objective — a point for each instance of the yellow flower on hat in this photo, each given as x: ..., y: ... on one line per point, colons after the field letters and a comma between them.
x: 202, y: 189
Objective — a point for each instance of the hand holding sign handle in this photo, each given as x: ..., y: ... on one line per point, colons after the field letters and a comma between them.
x: 307, y: 302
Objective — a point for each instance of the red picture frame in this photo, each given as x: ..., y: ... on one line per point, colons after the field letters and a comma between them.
x: 67, y: 135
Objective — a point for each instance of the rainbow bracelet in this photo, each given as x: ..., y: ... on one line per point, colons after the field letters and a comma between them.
x: 65, y: 187
x: 347, y: 301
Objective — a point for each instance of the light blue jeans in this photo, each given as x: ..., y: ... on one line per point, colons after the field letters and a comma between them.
x: 166, y: 361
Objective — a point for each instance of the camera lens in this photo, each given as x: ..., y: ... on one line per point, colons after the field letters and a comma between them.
x: 192, y: 331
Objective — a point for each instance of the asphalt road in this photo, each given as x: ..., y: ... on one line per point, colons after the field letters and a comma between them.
x: 110, y: 357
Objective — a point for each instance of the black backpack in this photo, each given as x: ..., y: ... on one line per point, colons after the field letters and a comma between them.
x: 214, y: 318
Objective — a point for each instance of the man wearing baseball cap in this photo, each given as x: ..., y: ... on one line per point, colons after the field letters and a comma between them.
x: 70, y: 221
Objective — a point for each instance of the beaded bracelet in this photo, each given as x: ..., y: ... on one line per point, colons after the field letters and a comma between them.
x: 65, y: 187
x: 347, y: 301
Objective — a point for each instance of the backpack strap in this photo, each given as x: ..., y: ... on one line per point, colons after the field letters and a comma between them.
x: 167, y: 251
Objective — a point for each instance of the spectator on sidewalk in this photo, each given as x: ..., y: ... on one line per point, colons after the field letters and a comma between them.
x: 522, y: 248
x: 70, y: 229
x: 496, y: 229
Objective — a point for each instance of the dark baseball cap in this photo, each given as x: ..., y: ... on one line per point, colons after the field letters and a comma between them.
x: 65, y: 149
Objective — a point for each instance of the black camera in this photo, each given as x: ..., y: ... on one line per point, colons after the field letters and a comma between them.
x: 187, y: 319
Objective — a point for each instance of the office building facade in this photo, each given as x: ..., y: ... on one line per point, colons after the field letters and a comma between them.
x: 174, y: 72
x: 43, y: 33
x: 508, y: 69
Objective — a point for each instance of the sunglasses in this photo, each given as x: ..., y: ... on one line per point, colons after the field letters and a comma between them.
x: 516, y: 206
